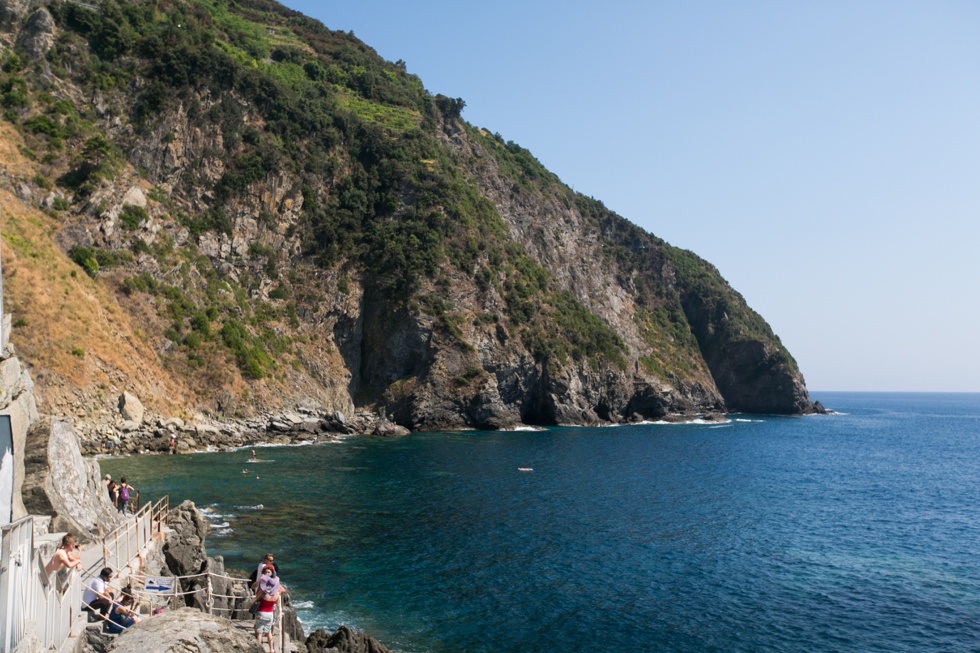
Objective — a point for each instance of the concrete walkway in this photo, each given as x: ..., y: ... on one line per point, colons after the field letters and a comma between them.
x: 92, y: 565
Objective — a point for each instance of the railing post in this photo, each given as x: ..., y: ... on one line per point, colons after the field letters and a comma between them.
x: 105, y: 552
x: 209, y: 598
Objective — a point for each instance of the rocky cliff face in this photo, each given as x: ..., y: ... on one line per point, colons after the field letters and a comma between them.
x: 463, y: 287
x: 50, y: 476
x: 60, y: 483
x: 18, y: 402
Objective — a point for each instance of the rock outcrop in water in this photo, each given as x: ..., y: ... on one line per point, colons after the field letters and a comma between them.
x: 343, y: 640
x: 186, y: 555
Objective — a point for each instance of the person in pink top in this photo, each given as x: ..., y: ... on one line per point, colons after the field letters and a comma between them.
x: 265, y: 617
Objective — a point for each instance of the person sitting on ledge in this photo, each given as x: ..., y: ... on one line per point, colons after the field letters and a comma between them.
x: 123, y: 614
x: 97, y: 596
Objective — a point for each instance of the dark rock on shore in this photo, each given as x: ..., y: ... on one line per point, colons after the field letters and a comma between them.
x: 186, y: 556
x: 343, y: 640
x: 184, y: 550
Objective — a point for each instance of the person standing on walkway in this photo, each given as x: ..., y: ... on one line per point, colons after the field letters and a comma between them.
x: 124, y: 492
x: 267, y: 561
x: 265, y: 617
x: 67, y: 556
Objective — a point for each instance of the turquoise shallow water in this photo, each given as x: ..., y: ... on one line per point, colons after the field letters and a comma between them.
x: 851, y: 532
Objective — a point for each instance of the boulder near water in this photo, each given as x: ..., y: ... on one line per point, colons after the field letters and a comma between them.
x: 343, y: 640
x: 131, y: 408
x: 185, y: 630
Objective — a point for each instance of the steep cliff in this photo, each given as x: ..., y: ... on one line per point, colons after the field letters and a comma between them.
x: 273, y: 215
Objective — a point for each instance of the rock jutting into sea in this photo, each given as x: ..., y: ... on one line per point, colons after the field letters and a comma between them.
x: 155, y: 433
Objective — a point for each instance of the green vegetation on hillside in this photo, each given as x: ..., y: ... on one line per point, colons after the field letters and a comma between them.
x: 381, y: 193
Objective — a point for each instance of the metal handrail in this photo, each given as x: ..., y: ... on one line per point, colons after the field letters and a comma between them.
x: 29, y: 595
x: 125, y: 544
x: 33, y: 605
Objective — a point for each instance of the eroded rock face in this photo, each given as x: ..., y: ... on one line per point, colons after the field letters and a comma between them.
x: 60, y: 483
x: 183, y: 631
x: 12, y: 12
x: 18, y: 402
x: 184, y: 549
x: 38, y: 35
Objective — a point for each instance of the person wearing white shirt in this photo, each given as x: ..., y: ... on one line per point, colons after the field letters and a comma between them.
x: 97, y: 596
x: 267, y: 560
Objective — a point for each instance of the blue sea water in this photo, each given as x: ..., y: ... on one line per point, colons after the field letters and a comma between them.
x: 858, y: 531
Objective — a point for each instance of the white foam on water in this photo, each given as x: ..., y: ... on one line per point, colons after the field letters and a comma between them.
x: 210, y: 513
x: 311, y: 618
x: 219, y: 521
x: 524, y: 428
x: 696, y: 420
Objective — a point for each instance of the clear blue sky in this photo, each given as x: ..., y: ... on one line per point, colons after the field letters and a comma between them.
x: 825, y: 156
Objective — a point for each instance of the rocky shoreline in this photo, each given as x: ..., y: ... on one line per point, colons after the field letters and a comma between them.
x: 136, y: 431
